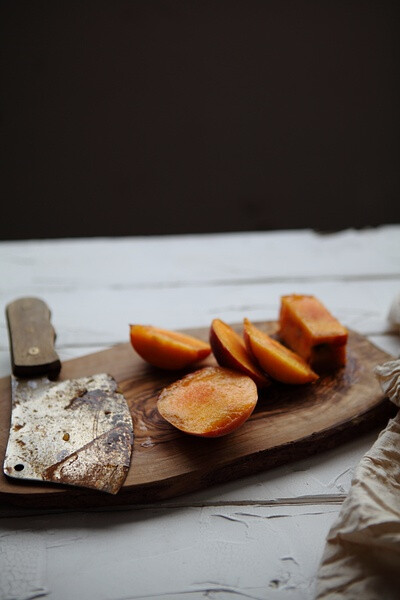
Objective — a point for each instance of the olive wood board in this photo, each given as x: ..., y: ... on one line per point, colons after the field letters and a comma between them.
x: 288, y: 423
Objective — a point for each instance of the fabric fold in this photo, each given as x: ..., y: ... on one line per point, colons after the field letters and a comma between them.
x: 362, y: 553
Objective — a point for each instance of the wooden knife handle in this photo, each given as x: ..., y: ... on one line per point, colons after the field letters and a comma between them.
x: 32, y: 339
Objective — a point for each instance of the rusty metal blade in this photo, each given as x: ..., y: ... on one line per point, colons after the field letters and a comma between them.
x: 76, y: 432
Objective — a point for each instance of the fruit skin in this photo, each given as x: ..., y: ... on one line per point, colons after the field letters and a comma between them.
x: 230, y: 351
x: 167, y: 349
x: 210, y: 402
x: 275, y: 359
x: 309, y: 329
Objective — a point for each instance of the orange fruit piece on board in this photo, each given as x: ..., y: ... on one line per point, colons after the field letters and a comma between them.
x: 230, y: 351
x: 308, y: 328
x: 167, y: 349
x: 210, y: 402
x: 276, y: 360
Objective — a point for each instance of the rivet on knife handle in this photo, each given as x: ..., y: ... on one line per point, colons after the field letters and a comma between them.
x: 32, y: 339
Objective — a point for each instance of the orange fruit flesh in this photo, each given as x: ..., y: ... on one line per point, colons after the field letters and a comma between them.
x: 230, y: 351
x: 210, y: 402
x: 167, y: 349
x: 309, y: 329
x: 317, y: 323
x: 315, y: 319
x: 278, y: 361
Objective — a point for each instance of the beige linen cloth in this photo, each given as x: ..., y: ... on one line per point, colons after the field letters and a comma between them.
x: 361, y: 560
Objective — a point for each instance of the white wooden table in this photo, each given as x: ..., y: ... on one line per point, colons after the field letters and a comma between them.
x: 260, y: 537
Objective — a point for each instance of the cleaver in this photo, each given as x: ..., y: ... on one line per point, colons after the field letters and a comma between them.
x: 75, y: 432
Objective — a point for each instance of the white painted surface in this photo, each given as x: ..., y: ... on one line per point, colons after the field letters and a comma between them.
x: 259, y: 537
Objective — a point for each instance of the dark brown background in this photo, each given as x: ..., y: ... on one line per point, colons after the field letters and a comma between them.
x: 167, y: 116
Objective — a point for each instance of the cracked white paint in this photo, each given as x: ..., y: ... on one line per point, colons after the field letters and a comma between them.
x: 231, y: 518
x: 204, y: 550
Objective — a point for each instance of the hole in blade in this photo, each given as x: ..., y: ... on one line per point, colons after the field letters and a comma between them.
x: 19, y: 467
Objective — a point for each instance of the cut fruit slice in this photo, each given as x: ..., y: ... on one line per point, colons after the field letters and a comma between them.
x: 210, y: 402
x: 230, y: 351
x: 167, y: 349
x: 276, y: 360
x: 309, y: 329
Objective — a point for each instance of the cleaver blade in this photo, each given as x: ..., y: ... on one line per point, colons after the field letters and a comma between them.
x: 74, y: 432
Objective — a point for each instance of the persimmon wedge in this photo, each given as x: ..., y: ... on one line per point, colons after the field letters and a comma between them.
x: 210, y: 402
x: 230, y: 351
x: 275, y: 359
x: 167, y: 349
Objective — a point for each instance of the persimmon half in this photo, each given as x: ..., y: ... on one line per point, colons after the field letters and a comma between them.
x: 275, y: 359
x: 230, y: 351
x: 210, y: 402
x: 167, y: 349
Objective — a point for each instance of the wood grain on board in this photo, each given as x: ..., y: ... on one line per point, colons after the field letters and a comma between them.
x: 289, y: 423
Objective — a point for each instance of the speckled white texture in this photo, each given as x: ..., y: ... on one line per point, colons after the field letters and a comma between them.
x: 22, y: 565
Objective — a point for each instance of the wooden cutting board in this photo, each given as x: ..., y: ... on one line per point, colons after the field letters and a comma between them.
x: 289, y: 423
